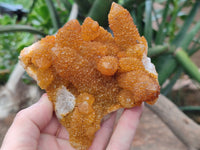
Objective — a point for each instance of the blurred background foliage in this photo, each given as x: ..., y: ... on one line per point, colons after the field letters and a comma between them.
x: 173, y: 34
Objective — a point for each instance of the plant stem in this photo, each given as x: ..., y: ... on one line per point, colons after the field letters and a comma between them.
x: 170, y: 64
x: 190, y: 36
x: 181, y: 34
x: 32, y: 6
x: 168, y: 67
x: 148, y: 22
x: 174, y: 16
x: 139, y: 15
x: 30, y: 10
x: 74, y: 12
x: 157, y: 50
x: 20, y: 28
x: 173, y: 80
x: 160, y: 34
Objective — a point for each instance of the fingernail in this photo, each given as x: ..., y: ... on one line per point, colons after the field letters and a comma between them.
x: 42, y: 97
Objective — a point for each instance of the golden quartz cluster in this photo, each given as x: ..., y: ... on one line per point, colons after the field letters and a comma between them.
x: 87, y: 73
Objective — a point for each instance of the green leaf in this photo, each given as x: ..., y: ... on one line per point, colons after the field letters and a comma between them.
x: 157, y: 50
x: 190, y: 36
x: 40, y: 17
x: 43, y: 12
x: 173, y: 80
x: 148, y: 22
x: 181, y: 34
x: 139, y: 15
x: 91, y: 1
x: 84, y: 5
x: 133, y: 15
x: 99, y: 11
x: 184, y: 60
x: 6, y: 19
x: 172, y: 24
x: 160, y: 34
x: 128, y: 3
x: 67, y: 4
x: 53, y: 13
x: 32, y: 6
x: 165, y: 66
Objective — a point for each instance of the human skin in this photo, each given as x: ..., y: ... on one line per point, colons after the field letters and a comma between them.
x: 37, y: 127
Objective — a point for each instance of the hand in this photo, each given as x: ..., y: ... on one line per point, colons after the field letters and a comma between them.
x: 37, y: 127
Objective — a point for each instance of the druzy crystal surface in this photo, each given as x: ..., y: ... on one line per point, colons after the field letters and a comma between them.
x: 88, y: 73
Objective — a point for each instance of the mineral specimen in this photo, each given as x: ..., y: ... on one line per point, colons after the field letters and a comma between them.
x: 87, y: 73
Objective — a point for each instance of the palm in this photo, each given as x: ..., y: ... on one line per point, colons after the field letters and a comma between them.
x: 37, y: 128
x: 54, y: 136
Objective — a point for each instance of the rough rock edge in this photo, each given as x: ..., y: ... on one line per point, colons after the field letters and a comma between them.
x: 65, y: 102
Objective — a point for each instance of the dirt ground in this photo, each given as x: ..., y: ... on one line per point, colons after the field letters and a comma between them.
x: 196, y: 57
x: 4, y: 125
x: 153, y: 134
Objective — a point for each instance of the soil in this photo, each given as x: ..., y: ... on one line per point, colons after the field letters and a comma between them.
x: 196, y: 57
x: 153, y: 134
x: 4, y: 125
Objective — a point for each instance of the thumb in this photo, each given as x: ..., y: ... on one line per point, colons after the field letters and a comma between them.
x: 38, y: 114
x: 28, y: 123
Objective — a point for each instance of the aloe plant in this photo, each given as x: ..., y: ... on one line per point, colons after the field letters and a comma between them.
x: 180, y: 40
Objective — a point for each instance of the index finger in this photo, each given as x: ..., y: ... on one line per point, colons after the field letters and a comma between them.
x: 123, y: 135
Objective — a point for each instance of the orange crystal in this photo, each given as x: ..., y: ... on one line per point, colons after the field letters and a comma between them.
x: 87, y: 73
